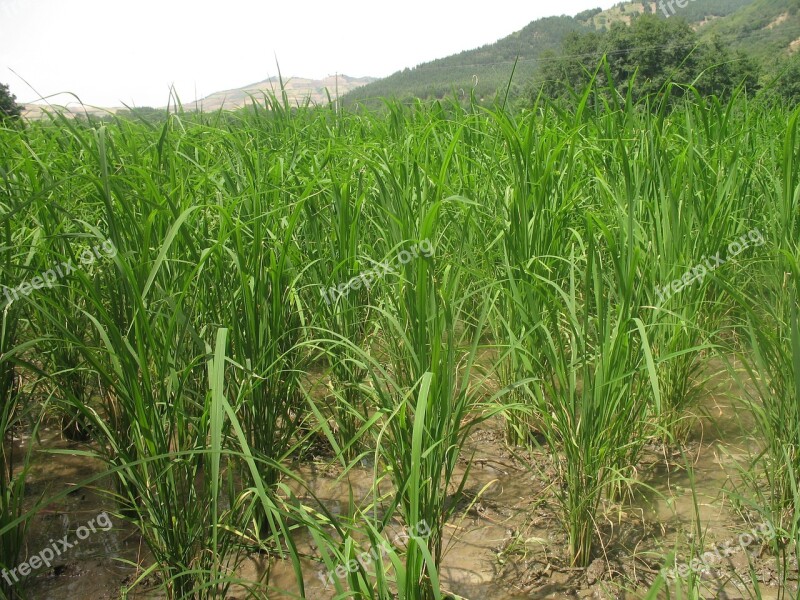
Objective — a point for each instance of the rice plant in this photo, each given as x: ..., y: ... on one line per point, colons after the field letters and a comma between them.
x: 593, y: 406
x: 15, y: 349
x: 428, y: 402
x: 343, y: 283
x: 768, y: 301
x: 539, y: 208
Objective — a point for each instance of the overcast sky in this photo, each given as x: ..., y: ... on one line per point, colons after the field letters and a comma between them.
x: 108, y: 51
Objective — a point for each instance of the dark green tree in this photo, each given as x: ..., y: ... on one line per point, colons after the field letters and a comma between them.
x: 572, y: 69
x: 787, y: 85
x: 655, y: 50
x: 642, y: 58
x: 9, y: 109
x: 722, y: 71
x: 588, y: 14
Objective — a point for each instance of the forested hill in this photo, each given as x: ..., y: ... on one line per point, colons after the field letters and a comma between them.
x: 695, y: 11
x: 485, y: 69
x: 763, y: 29
x: 766, y: 30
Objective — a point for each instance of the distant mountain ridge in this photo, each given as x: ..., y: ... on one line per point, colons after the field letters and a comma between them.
x: 299, y: 90
x: 760, y: 28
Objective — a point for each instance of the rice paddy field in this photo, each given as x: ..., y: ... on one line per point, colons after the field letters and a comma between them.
x: 432, y: 352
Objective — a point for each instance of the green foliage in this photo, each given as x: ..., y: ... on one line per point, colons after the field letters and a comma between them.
x: 14, y: 462
x: 588, y: 14
x: 147, y: 114
x: 642, y: 59
x: 763, y: 29
x: 787, y: 84
x: 9, y: 109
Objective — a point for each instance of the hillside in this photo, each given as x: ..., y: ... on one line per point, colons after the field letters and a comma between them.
x: 696, y: 13
x: 487, y: 69
x: 483, y: 70
x: 765, y: 29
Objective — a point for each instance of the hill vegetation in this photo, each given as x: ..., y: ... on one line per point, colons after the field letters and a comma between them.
x: 764, y: 29
x: 741, y: 38
x: 696, y: 13
x: 642, y: 58
x: 481, y: 71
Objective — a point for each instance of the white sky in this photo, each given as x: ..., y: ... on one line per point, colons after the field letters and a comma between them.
x: 109, y: 51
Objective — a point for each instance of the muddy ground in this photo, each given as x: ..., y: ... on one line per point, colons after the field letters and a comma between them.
x: 508, y: 545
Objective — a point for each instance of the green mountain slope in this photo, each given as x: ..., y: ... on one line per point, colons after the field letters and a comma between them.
x: 483, y: 70
x: 487, y: 70
x: 695, y: 11
x: 764, y: 29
